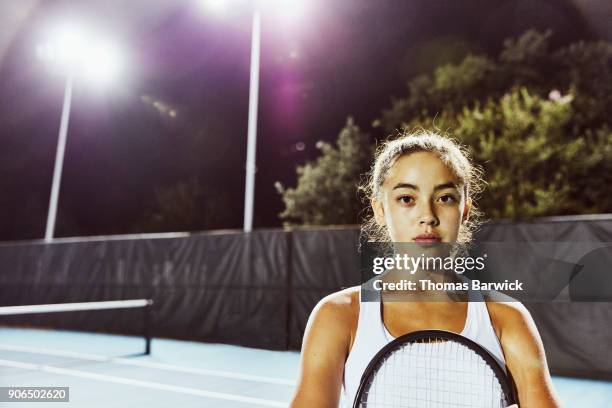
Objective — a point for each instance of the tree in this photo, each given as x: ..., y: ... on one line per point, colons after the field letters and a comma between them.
x: 449, y: 88
x: 544, y: 153
x: 529, y: 163
x: 528, y: 61
x: 326, y: 191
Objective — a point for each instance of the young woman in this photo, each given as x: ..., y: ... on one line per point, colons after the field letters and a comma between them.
x: 420, y: 188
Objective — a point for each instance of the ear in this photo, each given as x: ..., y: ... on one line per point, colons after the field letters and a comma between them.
x: 466, y: 209
x: 379, y: 212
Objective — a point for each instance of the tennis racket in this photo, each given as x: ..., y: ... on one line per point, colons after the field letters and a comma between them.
x: 434, y: 369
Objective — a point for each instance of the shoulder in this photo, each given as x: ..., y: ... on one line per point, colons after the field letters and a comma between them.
x: 516, y: 330
x: 334, y: 319
x: 329, y: 332
x: 340, y: 308
x: 506, y: 312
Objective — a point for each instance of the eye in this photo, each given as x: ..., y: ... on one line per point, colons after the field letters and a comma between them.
x: 406, y: 199
x: 447, y: 199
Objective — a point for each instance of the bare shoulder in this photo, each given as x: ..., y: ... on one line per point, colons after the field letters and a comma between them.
x: 340, y: 308
x: 506, y: 312
x: 333, y: 322
x: 345, y: 295
x: 516, y: 330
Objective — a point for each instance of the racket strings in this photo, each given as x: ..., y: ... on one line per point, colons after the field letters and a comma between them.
x: 433, y: 373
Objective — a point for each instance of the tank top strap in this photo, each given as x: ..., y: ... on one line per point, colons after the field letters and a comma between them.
x: 478, y: 314
x: 481, y: 327
x: 369, y: 308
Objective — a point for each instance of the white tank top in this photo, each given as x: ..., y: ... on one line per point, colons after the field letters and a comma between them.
x: 372, y: 335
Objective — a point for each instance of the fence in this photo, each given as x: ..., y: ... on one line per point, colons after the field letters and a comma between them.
x: 258, y: 289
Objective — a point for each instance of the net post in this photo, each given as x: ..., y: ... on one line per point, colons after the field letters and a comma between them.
x: 148, y: 310
x: 288, y: 288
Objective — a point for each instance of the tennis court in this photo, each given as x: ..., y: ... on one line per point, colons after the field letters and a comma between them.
x: 111, y: 371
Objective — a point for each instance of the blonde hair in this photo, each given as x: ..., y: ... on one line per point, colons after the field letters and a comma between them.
x: 453, y: 154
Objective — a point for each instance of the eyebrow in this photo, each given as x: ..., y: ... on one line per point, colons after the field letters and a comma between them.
x: 448, y: 184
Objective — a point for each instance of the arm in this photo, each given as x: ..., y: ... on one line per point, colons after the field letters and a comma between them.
x: 324, y: 350
x: 524, y: 355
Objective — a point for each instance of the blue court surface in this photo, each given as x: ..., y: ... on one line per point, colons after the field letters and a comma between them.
x: 110, y: 371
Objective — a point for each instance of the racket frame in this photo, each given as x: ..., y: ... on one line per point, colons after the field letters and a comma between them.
x: 505, y: 379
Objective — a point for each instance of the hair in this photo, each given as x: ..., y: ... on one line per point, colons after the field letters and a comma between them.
x: 453, y: 154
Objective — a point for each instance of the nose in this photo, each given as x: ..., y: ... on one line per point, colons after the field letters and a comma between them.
x: 427, y: 216
x: 429, y: 220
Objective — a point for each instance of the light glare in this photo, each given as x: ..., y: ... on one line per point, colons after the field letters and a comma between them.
x: 216, y: 6
x: 287, y: 13
x: 101, y: 63
x: 75, y: 51
x: 69, y: 44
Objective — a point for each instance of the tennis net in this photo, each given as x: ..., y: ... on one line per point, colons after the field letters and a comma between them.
x: 145, y: 304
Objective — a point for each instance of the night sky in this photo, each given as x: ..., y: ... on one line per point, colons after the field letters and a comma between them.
x: 179, y: 110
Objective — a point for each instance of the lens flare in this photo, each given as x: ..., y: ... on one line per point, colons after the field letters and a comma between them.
x: 72, y: 49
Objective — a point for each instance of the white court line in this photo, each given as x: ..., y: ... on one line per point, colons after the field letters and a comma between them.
x: 144, y: 384
x: 147, y: 364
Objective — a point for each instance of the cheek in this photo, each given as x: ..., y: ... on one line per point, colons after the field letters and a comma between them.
x: 400, y: 223
x: 451, y: 215
x: 396, y: 214
x: 450, y: 222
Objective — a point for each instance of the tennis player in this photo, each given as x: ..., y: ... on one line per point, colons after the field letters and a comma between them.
x: 421, y: 188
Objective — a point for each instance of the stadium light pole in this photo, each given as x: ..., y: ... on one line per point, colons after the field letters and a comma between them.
x: 74, y: 53
x: 59, y: 159
x: 249, y: 189
x: 218, y: 6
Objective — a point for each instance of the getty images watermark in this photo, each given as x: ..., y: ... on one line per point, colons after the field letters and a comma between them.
x: 523, y: 271
x: 414, y: 266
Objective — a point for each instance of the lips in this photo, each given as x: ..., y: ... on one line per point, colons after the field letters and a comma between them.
x: 427, y: 238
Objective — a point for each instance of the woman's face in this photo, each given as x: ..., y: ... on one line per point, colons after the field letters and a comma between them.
x: 421, y: 200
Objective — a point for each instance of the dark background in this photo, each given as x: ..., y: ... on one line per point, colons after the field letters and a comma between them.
x: 339, y: 58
